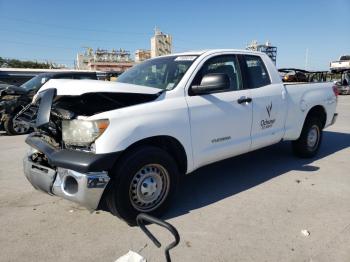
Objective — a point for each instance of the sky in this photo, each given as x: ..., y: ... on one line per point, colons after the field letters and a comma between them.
x: 58, y: 30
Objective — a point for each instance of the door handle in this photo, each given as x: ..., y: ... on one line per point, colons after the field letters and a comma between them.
x: 244, y: 99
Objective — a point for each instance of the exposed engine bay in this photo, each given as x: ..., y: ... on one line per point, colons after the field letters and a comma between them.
x: 48, y: 111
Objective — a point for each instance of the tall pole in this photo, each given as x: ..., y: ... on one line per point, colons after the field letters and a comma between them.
x: 307, y: 58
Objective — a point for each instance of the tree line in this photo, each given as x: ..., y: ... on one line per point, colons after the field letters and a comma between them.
x: 15, y: 63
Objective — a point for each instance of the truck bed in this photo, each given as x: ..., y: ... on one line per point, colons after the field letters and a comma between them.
x: 304, y: 83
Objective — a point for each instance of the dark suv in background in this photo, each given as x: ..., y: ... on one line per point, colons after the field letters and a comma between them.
x: 15, y: 98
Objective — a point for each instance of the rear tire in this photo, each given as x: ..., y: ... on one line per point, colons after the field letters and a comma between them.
x: 143, y: 181
x: 310, y: 139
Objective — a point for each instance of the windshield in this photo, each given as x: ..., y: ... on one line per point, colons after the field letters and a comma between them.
x: 35, y: 83
x: 163, y: 73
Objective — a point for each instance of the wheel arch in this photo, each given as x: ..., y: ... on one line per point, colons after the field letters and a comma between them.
x: 317, y: 111
x: 167, y: 143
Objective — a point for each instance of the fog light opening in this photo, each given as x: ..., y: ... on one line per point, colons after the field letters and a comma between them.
x: 70, y: 185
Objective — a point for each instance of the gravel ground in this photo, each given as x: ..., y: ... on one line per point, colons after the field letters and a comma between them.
x: 248, y: 208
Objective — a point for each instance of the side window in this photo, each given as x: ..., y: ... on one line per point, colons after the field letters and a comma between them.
x: 225, y: 64
x: 257, y: 72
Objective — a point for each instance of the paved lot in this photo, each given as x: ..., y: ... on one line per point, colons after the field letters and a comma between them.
x: 248, y: 208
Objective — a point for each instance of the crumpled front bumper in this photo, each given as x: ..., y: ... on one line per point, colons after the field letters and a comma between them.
x: 83, y: 188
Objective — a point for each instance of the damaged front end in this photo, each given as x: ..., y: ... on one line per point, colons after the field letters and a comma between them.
x: 62, y: 160
x: 12, y: 100
x: 10, y: 105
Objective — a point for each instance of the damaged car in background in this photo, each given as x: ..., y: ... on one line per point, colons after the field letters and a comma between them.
x: 123, y: 146
x: 14, y: 98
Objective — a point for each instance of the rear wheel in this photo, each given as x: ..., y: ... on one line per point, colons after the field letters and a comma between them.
x: 144, y: 181
x: 310, y: 139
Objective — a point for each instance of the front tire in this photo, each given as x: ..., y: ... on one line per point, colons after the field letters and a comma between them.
x: 143, y: 181
x: 310, y: 139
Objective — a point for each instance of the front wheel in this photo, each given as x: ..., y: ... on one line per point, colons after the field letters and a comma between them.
x: 143, y: 181
x: 310, y: 139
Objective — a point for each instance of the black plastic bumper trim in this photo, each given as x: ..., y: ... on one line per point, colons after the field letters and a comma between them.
x: 79, y: 161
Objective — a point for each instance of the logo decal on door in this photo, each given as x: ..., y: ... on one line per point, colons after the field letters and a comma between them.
x: 268, y: 109
x: 267, y: 123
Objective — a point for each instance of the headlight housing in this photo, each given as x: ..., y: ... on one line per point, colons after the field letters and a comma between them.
x: 82, y: 132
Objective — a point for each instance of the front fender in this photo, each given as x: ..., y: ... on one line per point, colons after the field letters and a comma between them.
x: 168, y: 117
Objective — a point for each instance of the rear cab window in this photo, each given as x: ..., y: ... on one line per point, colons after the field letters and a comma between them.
x: 256, y: 71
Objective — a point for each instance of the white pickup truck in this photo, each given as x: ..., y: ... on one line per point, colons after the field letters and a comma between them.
x: 125, y: 145
x: 342, y: 64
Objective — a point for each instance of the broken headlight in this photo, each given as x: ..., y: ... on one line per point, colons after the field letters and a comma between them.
x: 82, y: 132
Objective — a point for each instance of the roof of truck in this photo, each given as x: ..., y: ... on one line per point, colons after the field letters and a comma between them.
x: 209, y: 51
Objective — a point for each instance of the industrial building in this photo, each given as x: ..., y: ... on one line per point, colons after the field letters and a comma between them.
x: 161, y: 44
x: 120, y: 60
x: 266, y: 48
x: 142, y: 55
x: 104, y: 60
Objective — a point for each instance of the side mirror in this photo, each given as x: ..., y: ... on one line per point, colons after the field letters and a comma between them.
x: 212, y: 83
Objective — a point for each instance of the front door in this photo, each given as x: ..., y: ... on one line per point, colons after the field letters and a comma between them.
x: 220, y: 122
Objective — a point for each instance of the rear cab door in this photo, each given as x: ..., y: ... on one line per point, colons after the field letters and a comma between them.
x: 268, y: 100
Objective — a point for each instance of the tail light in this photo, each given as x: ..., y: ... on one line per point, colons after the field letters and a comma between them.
x: 335, y: 90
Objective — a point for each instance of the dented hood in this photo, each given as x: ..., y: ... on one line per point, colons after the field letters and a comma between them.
x: 69, y: 87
